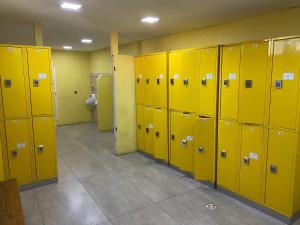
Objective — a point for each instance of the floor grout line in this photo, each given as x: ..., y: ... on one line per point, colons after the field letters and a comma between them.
x: 39, y: 206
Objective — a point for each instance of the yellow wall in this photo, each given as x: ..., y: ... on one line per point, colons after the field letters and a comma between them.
x: 101, y: 61
x: 72, y: 74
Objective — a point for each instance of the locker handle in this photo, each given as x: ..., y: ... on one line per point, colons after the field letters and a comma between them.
x: 40, y: 148
x: 138, y: 80
x: 223, y: 153
x: 7, y: 83
x: 147, y: 130
x: 184, y: 143
x: 246, y: 160
x: 226, y: 83
x: 200, y: 149
x: 139, y: 126
x: 273, y: 169
x: 203, y: 81
x: 248, y: 83
x: 157, y: 133
x: 172, y: 137
x: 172, y: 81
x: 278, y: 84
x: 185, y: 81
x: 147, y: 81
x: 14, y: 153
x: 158, y: 81
x: 36, y: 82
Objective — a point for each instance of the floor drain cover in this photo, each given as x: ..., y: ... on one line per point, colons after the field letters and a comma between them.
x: 211, y: 206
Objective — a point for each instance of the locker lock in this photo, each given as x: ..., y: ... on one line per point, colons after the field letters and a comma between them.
x: 157, y: 133
x: 278, y: 84
x: 203, y: 81
x: 226, y: 83
x: 147, y: 80
x: 200, y: 149
x: 246, y: 160
x: 138, y: 80
x: 147, y: 130
x: 139, y: 126
x: 273, y: 169
x: 248, y: 83
x: 14, y: 153
x: 36, y: 82
x: 172, y: 81
x: 223, y: 153
x: 172, y: 137
x: 7, y: 83
x: 185, y: 81
x: 40, y: 148
x: 158, y: 81
x: 184, y: 143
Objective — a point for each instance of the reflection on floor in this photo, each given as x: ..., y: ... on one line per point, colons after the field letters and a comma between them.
x: 97, y: 188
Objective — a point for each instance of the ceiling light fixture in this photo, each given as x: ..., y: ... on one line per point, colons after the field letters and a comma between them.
x: 67, y: 47
x: 70, y: 6
x: 150, y: 19
x: 86, y: 41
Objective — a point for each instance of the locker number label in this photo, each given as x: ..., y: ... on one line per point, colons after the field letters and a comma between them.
x: 150, y: 126
x: 288, y: 76
x: 176, y: 76
x: 42, y: 76
x: 189, y: 138
x: 253, y: 156
x: 21, y: 145
x: 232, y: 76
x: 209, y: 76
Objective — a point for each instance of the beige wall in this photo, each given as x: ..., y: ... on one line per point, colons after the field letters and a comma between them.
x: 72, y: 74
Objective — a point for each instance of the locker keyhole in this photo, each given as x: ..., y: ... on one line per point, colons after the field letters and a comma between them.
x: 203, y: 81
x: 172, y: 81
x: 185, y: 81
x: 173, y: 137
x: 248, y: 83
x: 138, y: 80
x: 226, y: 83
x: 158, y: 81
x: 7, y: 83
x: 157, y: 134
x: 147, y: 81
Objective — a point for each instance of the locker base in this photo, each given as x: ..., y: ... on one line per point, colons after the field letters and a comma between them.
x: 261, y: 208
x: 188, y: 174
x: 152, y: 157
x: 38, y: 184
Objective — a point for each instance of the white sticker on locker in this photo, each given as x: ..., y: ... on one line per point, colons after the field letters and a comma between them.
x: 150, y: 126
x: 288, y: 76
x: 253, y: 156
x: 209, y: 76
x: 21, y: 145
x: 176, y: 76
x: 161, y: 76
x: 140, y: 76
x: 42, y: 76
x: 189, y: 138
x: 232, y: 76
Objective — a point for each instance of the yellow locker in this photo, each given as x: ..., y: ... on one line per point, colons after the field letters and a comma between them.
x: 280, y: 169
x: 139, y: 78
x: 160, y: 92
x: 230, y: 82
x: 175, y: 151
x: 252, y: 163
x: 149, y: 130
x: 285, y: 83
x: 19, y: 146
x: 149, y: 80
x: 227, y: 155
x: 140, y: 127
x: 13, y: 82
x: 208, y: 60
x: 160, y: 120
x: 1, y: 164
x: 253, y: 82
x: 204, y: 153
x: 175, y: 97
x: 44, y: 147
x: 40, y: 80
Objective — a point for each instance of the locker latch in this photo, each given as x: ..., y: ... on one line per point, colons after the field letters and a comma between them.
x: 157, y: 80
x: 147, y: 130
x: 147, y: 81
x: 7, y: 83
x: 14, y: 153
x: 157, y: 133
x: 246, y: 160
x: 184, y: 143
x: 172, y: 137
x: 226, y: 83
x: 273, y: 169
x: 223, y: 153
x: 139, y: 126
x: 278, y: 84
x: 185, y: 81
x: 172, y: 81
x: 40, y: 148
x: 200, y: 149
x: 203, y: 81
x: 138, y: 80
x: 248, y: 83
x: 36, y: 82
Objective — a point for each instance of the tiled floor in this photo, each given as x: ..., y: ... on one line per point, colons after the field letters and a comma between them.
x: 97, y: 188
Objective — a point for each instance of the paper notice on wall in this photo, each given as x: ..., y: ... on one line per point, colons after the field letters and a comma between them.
x: 21, y: 145
x: 150, y: 126
x: 176, y: 76
x: 288, y: 76
x: 232, y: 76
x: 161, y: 76
x: 189, y: 138
x: 42, y: 76
x: 209, y: 76
x: 253, y: 156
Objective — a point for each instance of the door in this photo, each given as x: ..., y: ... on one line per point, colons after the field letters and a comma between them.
x: 280, y: 166
x: 44, y: 147
x: 175, y: 153
x: 204, y: 149
x: 160, y: 93
x: 19, y: 150
x: 149, y: 129
x: 175, y: 74
x: 285, y: 83
x: 160, y: 120
x: 207, y: 81
x: 140, y: 127
x: 40, y: 81
x: 227, y: 155
x: 252, y: 162
x: 13, y: 82
x: 139, y: 62
x: 253, y: 81
x: 149, y: 81
x: 230, y: 82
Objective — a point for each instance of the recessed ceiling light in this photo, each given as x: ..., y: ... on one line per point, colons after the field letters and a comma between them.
x: 86, y: 41
x: 150, y: 19
x: 70, y: 6
x: 67, y: 47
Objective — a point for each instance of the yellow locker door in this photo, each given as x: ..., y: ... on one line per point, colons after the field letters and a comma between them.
x: 19, y: 150
x: 160, y: 93
x: 230, y: 82
x: 280, y: 166
x: 186, y: 139
x: 188, y: 87
x: 175, y: 74
x: 160, y: 119
x: 204, y: 153
x: 227, y: 155
x: 44, y: 147
x: 252, y: 162
x: 175, y: 142
x: 40, y: 81
x: 149, y: 81
x: 139, y: 79
x: 140, y: 127
x: 207, y: 81
x: 149, y: 129
x: 285, y: 83
x: 13, y: 82
x: 253, y: 80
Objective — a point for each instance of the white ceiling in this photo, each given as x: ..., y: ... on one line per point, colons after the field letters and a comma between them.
x: 98, y: 18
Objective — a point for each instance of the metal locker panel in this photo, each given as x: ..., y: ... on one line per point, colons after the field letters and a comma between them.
x: 140, y: 127
x: 280, y: 168
x: 40, y: 81
x: 285, y: 83
x: 229, y: 86
x: 253, y: 81
x: 204, y: 149
x: 13, y: 82
x: 207, y: 81
x: 149, y: 130
x: 175, y: 151
x: 140, y: 79
x: 44, y: 147
x: 227, y: 155
x: 149, y: 81
x: 160, y: 93
x: 252, y: 162
x: 175, y: 79
x: 19, y: 150
x: 160, y: 119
